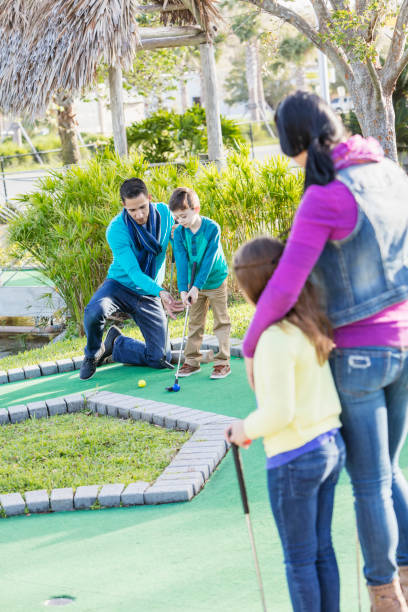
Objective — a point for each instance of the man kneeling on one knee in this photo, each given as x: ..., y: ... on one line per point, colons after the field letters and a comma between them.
x: 138, y: 237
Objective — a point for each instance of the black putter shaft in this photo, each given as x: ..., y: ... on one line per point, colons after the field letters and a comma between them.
x: 244, y: 498
x: 193, y: 273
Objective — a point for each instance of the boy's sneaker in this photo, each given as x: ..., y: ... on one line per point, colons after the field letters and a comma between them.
x: 188, y: 370
x: 220, y: 371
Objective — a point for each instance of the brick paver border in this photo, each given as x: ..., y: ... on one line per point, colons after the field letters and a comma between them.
x: 180, y: 481
x: 74, y: 363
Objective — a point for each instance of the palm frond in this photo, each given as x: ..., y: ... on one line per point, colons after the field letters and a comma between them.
x: 57, y: 44
x: 47, y: 46
x: 197, y: 12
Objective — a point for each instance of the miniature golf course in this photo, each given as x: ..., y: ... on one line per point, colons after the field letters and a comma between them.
x: 192, y: 556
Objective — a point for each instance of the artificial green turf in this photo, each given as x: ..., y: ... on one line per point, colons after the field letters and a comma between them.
x: 70, y: 450
x: 178, y: 557
x: 25, y: 278
x: 240, y: 313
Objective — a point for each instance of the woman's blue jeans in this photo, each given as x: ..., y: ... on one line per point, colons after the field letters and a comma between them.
x: 146, y: 311
x: 301, y: 493
x: 373, y: 387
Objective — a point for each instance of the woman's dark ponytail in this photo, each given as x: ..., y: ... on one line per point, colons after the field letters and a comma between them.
x: 319, y: 164
x: 306, y: 123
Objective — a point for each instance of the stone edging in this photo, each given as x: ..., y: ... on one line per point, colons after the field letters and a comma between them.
x: 180, y: 481
x: 74, y: 363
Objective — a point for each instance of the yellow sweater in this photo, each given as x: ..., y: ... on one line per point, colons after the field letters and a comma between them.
x: 296, y: 397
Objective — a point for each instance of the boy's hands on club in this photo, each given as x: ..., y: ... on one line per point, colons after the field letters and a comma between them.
x: 170, y: 305
x: 189, y: 297
x: 235, y: 433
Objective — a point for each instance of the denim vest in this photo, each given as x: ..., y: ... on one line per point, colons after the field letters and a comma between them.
x: 368, y: 270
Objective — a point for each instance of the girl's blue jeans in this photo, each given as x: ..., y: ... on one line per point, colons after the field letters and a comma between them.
x: 373, y: 386
x: 146, y: 311
x: 301, y: 493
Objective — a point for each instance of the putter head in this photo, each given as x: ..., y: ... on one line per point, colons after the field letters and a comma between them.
x: 174, y: 388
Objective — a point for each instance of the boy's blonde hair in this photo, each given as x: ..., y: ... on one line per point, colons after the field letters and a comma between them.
x: 183, y: 198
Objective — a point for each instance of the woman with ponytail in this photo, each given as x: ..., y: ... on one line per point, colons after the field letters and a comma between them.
x: 351, y: 230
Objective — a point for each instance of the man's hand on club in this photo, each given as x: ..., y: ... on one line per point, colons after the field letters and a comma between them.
x: 189, y: 297
x: 170, y: 305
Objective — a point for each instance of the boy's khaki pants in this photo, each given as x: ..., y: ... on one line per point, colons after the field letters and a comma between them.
x: 217, y: 299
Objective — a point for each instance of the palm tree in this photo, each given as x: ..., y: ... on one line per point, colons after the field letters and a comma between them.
x: 247, y: 29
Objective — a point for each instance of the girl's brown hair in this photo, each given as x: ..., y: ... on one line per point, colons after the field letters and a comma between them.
x: 254, y: 264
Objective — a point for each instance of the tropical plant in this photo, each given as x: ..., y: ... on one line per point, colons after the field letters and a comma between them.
x: 166, y: 135
x: 154, y: 136
x: 64, y: 222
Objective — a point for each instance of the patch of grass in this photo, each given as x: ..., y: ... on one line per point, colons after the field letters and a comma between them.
x: 240, y: 313
x: 81, y: 449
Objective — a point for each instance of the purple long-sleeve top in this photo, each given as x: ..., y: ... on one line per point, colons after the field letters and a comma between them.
x: 325, y: 213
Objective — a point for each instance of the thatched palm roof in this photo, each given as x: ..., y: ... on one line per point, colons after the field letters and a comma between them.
x: 52, y: 45
x: 201, y: 12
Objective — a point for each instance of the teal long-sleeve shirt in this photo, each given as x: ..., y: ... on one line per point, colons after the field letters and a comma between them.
x: 125, y: 267
x: 203, y: 247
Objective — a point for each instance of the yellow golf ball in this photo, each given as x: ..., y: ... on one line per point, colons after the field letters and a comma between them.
x: 141, y: 383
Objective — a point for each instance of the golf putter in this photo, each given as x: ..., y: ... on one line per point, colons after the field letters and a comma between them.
x: 164, y: 362
x: 176, y: 386
x: 244, y: 498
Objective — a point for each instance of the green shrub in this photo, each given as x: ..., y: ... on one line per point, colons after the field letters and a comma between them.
x: 166, y: 135
x: 154, y: 136
x: 8, y: 147
x: 64, y: 222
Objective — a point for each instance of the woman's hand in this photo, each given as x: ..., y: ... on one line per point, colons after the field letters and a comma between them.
x: 249, y: 365
x: 235, y: 433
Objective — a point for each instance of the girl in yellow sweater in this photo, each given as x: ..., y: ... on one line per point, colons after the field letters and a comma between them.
x: 298, y: 417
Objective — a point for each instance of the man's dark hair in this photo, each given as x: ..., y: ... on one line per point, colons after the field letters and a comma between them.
x: 183, y: 198
x: 131, y: 188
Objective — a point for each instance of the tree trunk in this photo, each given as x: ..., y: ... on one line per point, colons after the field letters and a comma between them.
x: 252, y: 79
x: 300, y: 77
x: 67, y: 128
x: 374, y: 110
x: 101, y: 115
x: 260, y: 87
x: 183, y: 95
x: 117, y: 111
x: 212, y: 108
x: 16, y: 134
x: 202, y: 87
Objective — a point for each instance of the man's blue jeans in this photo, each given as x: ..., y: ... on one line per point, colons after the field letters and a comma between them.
x: 301, y: 493
x: 373, y: 387
x: 146, y: 311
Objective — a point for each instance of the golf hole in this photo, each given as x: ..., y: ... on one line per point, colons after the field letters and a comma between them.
x: 60, y: 600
